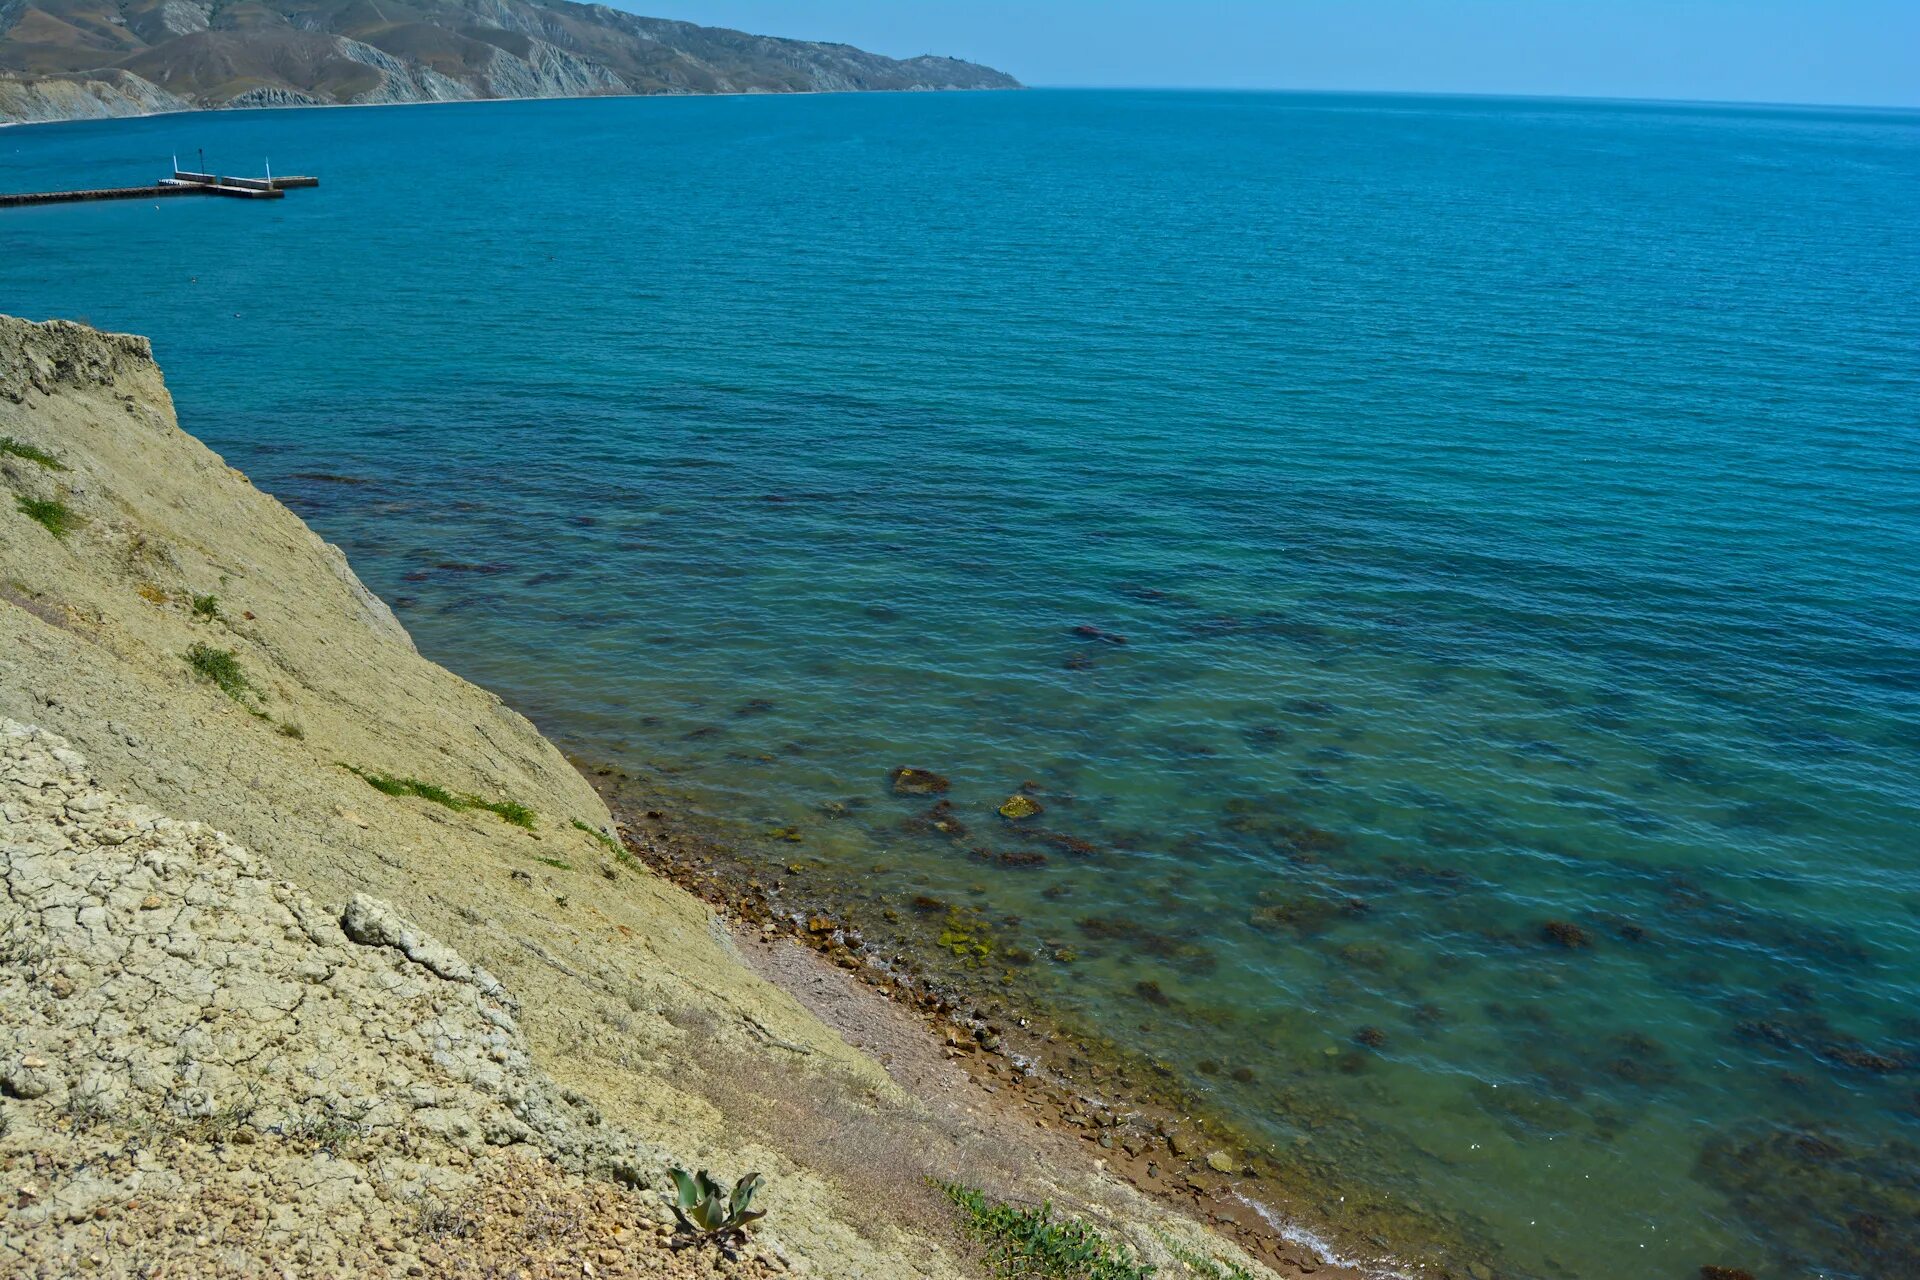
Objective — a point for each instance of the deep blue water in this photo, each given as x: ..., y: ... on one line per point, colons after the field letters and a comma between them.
x: 1511, y: 510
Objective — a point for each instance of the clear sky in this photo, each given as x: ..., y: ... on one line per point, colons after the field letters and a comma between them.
x: 1829, y: 51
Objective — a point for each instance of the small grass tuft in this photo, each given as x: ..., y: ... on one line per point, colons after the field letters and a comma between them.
x: 222, y: 668
x: 21, y: 449
x: 387, y: 784
x: 56, y: 517
x: 86, y: 1110
x: 558, y: 864
x: 288, y: 729
x: 613, y: 846
x: 1033, y: 1244
x: 510, y: 810
x: 439, y: 1220
x: 207, y: 607
x: 325, y: 1131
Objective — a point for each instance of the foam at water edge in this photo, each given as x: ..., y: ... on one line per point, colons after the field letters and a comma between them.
x: 1293, y: 1233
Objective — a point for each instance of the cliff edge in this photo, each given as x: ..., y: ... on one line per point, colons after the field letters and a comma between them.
x: 313, y: 952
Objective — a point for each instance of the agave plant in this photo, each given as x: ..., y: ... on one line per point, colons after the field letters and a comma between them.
x: 708, y: 1211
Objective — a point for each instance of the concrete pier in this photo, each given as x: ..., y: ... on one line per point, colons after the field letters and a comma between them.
x: 182, y: 183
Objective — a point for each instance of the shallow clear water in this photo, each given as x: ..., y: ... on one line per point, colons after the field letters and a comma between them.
x: 1511, y: 509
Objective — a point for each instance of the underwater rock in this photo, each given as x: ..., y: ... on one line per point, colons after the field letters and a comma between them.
x: 1371, y: 1037
x: 1150, y: 991
x: 928, y: 903
x: 1858, y: 1058
x: 917, y: 782
x: 1149, y: 942
x: 939, y: 819
x: 1019, y: 806
x: 1080, y: 661
x: 1087, y: 632
x: 1640, y: 1059
x: 1822, y: 1205
x: 1562, y: 933
x: 1066, y: 843
x: 1304, y: 913
x: 1724, y: 1273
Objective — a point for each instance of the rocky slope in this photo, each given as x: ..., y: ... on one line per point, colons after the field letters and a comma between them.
x: 69, y: 58
x: 167, y: 998
x: 254, y: 1007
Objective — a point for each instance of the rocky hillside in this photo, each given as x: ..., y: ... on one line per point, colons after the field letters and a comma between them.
x: 71, y: 58
x: 315, y: 957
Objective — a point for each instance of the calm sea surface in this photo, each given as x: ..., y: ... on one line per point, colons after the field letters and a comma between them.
x: 1511, y: 510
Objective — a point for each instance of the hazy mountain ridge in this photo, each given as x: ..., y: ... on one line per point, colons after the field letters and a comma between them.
x: 63, y: 59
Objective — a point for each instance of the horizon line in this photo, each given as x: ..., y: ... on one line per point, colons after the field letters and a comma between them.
x: 1807, y: 104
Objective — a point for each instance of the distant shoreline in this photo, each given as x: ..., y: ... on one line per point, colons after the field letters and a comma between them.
x: 468, y: 102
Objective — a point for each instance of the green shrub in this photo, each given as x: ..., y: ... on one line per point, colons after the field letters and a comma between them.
x: 288, y: 729
x: 222, y: 668
x: 21, y: 449
x: 207, y: 607
x: 1032, y: 1244
x: 56, y: 517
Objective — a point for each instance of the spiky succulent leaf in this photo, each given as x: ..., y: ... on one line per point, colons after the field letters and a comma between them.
x: 743, y: 1193
x: 703, y: 1205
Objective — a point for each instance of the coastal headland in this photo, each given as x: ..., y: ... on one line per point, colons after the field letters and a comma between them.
x: 79, y: 59
x: 317, y: 955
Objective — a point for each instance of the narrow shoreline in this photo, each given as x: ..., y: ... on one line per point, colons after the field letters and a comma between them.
x: 1048, y: 1073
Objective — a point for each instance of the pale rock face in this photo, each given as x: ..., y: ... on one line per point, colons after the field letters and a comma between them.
x: 401, y: 81
x: 90, y: 96
x: 175, y: 18
x: 158, y: 978
x: 550, y: 72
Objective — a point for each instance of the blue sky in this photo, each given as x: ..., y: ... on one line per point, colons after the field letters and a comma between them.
x: 1828, y: 51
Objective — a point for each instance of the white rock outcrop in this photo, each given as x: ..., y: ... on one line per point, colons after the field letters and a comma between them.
x: 158, y: 981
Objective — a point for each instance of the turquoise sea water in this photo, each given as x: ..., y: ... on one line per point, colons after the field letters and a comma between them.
x: 1511, y: 510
